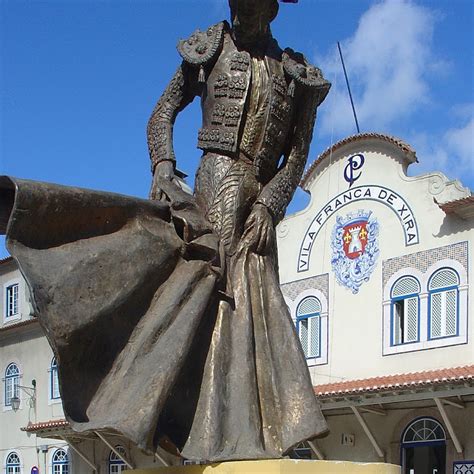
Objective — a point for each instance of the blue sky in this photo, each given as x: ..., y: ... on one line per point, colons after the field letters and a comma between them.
x: 79, y: 78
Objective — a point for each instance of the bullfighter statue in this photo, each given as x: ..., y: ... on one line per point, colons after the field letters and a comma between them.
x: 166, y: 315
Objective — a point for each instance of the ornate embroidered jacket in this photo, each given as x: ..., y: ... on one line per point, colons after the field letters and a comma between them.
x: 222, y: 75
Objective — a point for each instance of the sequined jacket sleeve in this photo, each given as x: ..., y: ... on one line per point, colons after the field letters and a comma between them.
x: 181, y: 91
x: 277, y: 193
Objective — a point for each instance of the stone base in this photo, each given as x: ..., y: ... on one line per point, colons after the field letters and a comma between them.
x: 282, y: 466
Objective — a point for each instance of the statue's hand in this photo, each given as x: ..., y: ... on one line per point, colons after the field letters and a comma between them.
x: 163, y: 170
x: 259, y: 231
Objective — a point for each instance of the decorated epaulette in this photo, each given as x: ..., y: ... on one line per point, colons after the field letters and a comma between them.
x: 302, y: 72
x: 202, y: 46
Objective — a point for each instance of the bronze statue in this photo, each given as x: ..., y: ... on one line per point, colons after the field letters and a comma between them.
x: 166, y: 316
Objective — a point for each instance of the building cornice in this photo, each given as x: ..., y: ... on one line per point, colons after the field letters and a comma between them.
x: 13, y: 326
x: 463, y: 207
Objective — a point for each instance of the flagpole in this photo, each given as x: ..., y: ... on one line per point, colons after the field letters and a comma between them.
x: 348, y: 87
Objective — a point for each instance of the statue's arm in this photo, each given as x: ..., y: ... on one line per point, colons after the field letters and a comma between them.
x: 178, y: 94
x: 277, y: 193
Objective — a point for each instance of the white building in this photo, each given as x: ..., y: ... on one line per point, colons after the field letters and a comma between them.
x: 375, y: 272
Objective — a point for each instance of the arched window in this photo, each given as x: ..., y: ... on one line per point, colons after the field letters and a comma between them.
x: 308, y: 325
x: 424, y: 439
x: 423, y: 430
x: 404, y: 311
x: 60, y: 462
x: 12, y: 382
x: 13, y: 464
x: 116, y: 464
x: 443, y: 312
x: 53, y: 380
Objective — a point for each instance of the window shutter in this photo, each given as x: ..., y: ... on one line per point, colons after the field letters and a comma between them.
x: 304, y: 335
x: 451, y: 305
x: 436, y: 314
x: 309, y: 326
x: 314, y: 336
x: 411, y: 322
x: 444, y: 303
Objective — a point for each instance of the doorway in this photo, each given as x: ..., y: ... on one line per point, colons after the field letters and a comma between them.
x: 423, y: 447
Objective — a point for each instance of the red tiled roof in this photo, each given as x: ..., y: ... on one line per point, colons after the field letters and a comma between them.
x: 26, y: 322
x: 32, y: 427
x: 397, y: 382
x: 452, y: 206
x: 405, y: 147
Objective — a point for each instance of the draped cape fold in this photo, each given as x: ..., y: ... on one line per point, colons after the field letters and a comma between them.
x: 145, y: 345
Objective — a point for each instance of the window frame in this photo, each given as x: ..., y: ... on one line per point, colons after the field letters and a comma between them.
x: 308, y: 317
x: 8, y: 318
x: 294, y: 303
x: 55, y: 463
x: 396, y: 299
x: 15, y: 386
x: 9, y: 465
x: 430, y: 301
x: 424, y: 277
x: 54, y: 381
x: 113, y: 460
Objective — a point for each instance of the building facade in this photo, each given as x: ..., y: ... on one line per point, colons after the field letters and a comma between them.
x: 376, y: 274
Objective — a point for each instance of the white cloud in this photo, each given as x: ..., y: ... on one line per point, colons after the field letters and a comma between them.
x: 388, y: 58
x: 461, y: 141
x: 451, y: 152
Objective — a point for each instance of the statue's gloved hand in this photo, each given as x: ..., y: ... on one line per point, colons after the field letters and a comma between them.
x: 163, y: 171
x: 259, y: 231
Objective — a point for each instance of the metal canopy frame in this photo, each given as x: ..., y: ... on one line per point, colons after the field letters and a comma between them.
x: 366, y: 402
x: 114, y: 450
x: 395, y: 396
x: 449, y: 425
x: 368, y: 432
x: 75, y: 448
x: 71, y: 437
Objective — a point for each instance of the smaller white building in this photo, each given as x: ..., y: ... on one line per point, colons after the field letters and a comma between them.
x: 34, y: 436
x: 375, y: 272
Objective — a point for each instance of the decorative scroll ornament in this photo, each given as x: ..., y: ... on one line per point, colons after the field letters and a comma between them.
x: 202, y: 46
x: 302, y: 72
x: 355, y: 248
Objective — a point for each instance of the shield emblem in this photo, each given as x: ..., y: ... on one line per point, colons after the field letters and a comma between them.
x: 354, y: 248
x: 354, y: 238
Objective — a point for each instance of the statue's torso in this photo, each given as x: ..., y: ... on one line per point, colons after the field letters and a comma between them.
x: 246, y: 107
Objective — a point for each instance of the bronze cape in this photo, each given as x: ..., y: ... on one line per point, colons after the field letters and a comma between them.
x: 127, y: 292
x: 166, y: 318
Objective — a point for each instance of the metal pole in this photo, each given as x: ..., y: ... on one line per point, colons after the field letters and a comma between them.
x: 448, y: 424
x: 80, y: 453
x: 102, y: 437
x: 316, y: 450
x: 157, y: 456
x: 368, y: 432
x: 348, y: 87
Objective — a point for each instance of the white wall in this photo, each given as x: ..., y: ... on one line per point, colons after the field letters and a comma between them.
x: 355, y: 320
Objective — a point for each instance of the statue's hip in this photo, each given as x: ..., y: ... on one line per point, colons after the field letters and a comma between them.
x: 226, y: 189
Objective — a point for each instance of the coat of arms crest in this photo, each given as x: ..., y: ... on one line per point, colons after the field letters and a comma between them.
x: 355, y: 248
